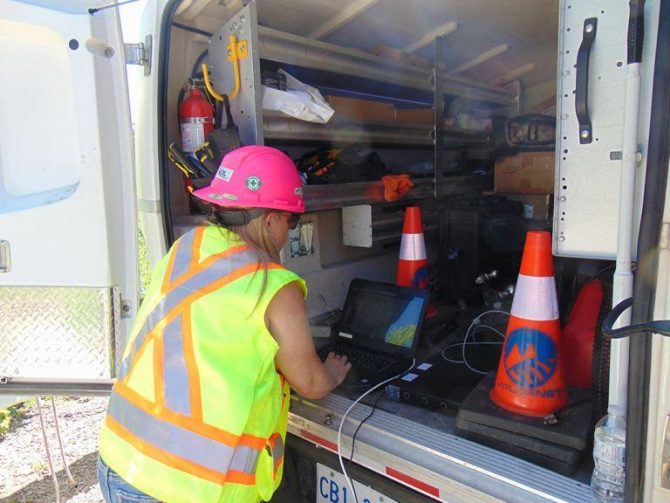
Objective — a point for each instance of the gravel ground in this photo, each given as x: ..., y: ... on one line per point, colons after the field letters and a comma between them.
x: 24, y: 472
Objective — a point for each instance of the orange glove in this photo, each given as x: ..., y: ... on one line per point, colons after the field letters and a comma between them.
x: 395, y: 186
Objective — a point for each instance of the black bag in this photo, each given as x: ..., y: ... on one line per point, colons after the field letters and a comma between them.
x: 341, y: 165
x: 220, y: 141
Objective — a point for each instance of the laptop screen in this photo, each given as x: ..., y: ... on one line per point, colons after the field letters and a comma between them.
x: 383, y: 316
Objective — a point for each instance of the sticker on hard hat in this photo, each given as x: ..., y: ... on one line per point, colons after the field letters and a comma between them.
x: 530, y: 357
x: 224, y: 174
x: 218, y: 197
x: 253, y: 183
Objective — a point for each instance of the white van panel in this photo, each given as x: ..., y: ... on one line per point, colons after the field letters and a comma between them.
x: 70, y: 274
x: 586, y: 216
x: 36, y: 173
x: 66, y: 186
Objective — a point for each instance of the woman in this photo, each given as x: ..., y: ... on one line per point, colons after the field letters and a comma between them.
x: 200, y: 407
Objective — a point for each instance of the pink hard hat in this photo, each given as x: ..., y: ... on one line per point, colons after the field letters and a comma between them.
x: 255, y: 177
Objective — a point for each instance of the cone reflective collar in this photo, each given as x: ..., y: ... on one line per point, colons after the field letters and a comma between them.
x: 412, y: 263
x: 530, y: 378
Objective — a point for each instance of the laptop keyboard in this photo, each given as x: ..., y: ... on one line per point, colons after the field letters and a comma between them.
x: 360, y: 359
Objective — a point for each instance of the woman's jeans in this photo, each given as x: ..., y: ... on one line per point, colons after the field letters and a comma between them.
x: 116, y: 490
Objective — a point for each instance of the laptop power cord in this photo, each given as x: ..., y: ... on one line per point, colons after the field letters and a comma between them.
x: 344, y: 416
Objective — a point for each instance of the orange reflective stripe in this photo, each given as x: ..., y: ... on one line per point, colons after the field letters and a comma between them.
x: 192, y: 368
x: 176, y: 297
x: 240, y: 478
x: 195, y: 249
x: 188, y: 300
x: 174, y: 461
x: 187, y: 423
x: 207, y: 262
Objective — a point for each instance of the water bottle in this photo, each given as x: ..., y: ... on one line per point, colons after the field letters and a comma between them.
x: 609, y: 455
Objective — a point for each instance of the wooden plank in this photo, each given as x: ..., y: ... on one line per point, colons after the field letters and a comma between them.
x: 428, y: 38
x: 352, y: 11
x: 513, y: 74
x: 483, y: 57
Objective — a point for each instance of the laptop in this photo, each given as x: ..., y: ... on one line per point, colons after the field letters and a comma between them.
x: 378, y: 331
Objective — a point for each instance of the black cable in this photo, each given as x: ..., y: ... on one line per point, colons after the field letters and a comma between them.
x: 353, y: 439
x: 192, y: 29
x: 198, y: 62
x: 600, y: 272
x: 93, y: 10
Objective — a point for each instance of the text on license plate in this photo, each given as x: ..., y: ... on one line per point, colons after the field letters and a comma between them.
x: 332, y: 487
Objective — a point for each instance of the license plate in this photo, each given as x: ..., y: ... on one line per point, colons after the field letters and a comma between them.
x: 332, y: 487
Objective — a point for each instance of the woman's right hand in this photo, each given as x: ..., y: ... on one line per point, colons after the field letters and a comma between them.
x: 337, y: 366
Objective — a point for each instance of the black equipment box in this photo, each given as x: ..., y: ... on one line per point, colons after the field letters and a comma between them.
x: 434, y: 384
x: 558, y: 447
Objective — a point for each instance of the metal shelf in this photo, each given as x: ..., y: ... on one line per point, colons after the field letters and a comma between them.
x: 325, y: 197
x: 292, y: 49
x: 343, y: 129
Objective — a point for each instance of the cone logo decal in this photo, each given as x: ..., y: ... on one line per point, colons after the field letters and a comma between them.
x: 530, y: 357
x: 420, y: 279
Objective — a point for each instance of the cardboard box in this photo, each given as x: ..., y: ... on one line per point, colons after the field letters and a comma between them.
x: 415, y: 115
x: 526, y: 173
x: 362, y: 109
x: 535, y: 206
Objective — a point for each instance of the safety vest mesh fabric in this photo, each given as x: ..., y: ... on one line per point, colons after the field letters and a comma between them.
x: 199, y: 412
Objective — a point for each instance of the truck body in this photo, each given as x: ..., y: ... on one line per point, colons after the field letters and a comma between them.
x: 77, y: 180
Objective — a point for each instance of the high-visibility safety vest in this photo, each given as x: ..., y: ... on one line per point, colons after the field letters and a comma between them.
x: 199, y: 412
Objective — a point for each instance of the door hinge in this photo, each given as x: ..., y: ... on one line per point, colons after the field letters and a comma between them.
x: 139, y: 54
x: 126, y: 308
x: 5, y: 257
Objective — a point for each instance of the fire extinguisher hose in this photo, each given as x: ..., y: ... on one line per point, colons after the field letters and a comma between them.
x: 208, y: 84
x: 236, y: 71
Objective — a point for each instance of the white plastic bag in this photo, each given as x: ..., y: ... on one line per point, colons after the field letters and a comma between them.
x: 299, y: 100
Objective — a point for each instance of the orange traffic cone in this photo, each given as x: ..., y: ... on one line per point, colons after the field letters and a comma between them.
x: 530, y: 378
x: 412, y: 263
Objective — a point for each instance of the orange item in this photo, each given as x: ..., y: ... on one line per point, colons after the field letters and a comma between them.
x: 395, y: 186
x: 413, y: 263
x: 530, y: 378
x: 579, y: 333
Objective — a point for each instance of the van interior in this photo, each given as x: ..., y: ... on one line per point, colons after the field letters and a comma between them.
x: 448, y: 92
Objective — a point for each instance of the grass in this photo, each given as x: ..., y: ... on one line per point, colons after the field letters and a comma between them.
x: 11, y: 416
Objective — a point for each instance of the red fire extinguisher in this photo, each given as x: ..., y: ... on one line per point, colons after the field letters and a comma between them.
x: 196, y: 118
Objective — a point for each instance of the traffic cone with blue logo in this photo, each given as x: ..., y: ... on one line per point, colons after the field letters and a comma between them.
x: 530, y: 379
x: 412, y: 262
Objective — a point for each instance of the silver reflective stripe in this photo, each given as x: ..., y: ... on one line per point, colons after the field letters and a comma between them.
x: 220, y: 268
x: 177, y: 395
x: 182, y: 443
x: 183, y: 253
x: 244, y: 460
x: 277, y: 450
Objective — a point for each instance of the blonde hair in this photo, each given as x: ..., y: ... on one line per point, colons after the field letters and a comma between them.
x: 257, y: 235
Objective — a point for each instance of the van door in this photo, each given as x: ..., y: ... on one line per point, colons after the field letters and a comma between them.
x: 68, y: 244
